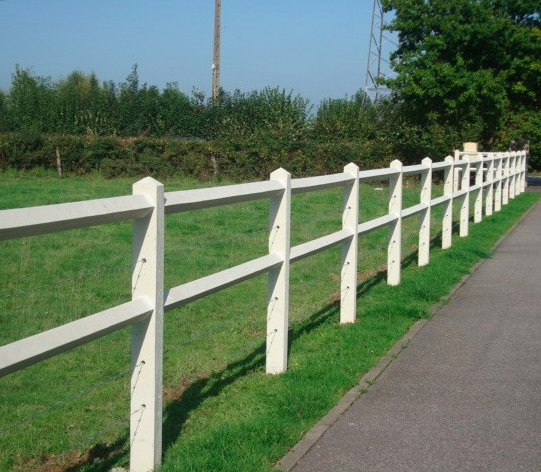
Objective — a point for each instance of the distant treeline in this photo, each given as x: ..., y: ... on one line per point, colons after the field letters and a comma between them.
x: 240, y: 135
x: 80, y: 104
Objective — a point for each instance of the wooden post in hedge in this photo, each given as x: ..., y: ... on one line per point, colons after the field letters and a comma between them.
x: 58, y: 162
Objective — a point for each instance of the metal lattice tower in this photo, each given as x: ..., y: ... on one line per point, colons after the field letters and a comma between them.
x: 372, y: 87
x: 216, y: 50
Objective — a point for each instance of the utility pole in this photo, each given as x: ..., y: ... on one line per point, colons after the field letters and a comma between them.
x: 216, y: 55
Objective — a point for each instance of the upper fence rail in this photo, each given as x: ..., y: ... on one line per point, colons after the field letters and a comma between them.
x: 33, y: 221
x: 501, y: 175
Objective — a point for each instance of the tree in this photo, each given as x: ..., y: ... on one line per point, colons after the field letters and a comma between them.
x: 4, y: 118
x: 129, y: 104
x: 270, y: 113
x: 31, y: 101
x: 468, y: 65
x: 176, y: 112
x: 354, y: 118
x: 73, y: 103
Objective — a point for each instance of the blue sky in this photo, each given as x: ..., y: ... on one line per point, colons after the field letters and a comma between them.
x: 317, y: 48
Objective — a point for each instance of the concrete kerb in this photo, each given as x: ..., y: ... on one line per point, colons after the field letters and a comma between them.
x: 302, y: 447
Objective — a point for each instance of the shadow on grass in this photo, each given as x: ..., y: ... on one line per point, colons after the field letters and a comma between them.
x: 102, y: 458
x: 177, y: 411
x: 407, y: 261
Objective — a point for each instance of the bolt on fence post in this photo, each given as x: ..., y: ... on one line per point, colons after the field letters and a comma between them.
x: 394, y: 250
x: 489, y: 203
x: 478, y: 204
x: 505, y: 168
x: 447, y: 223
x: 498, y: 183
x: 278, y: 288
x: 424, y: 216
x: 465, y: 207
x: 147, y: 335
x: 350, y: 247
x: 512, y: 175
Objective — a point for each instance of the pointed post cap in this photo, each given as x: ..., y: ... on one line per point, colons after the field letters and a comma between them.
x: 279, y: 174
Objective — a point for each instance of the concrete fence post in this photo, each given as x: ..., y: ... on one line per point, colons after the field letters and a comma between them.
x: 465, y: 206
x: 505, y: 179
x: 478, y: 204
x: 424, y: 216
x: 447, y: 223
x: 512, y: 175
x: 489, y: 202
x: 350, y: 247
x: 498, y: 184
x: 278, y: 288
x: 519, y: 178
x: 523, y: 180
x: 518, y: 175
x: 457, y: 172
x: 147, y: 335
x: 394, y: 250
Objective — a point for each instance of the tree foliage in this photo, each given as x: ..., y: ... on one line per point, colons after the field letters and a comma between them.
x: 347, y: 118
x: 471, y: 66
x: 79, y: 104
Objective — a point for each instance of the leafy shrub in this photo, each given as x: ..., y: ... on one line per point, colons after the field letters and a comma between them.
x: 235, y: 159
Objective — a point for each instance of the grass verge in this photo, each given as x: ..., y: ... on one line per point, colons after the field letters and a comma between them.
x: 221, y: 412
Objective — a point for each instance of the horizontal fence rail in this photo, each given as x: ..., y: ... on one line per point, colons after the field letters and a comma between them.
x: 490, y: 179
x: 33, y: 221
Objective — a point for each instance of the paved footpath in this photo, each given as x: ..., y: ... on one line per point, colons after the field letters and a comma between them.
x: 465, y: 395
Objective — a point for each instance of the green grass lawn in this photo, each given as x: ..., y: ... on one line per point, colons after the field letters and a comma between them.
x: 221, y: 411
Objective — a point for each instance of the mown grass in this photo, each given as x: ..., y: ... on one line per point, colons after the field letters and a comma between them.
x: 221, y: 412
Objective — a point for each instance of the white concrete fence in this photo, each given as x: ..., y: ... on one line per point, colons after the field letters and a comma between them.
x: 499, y: 177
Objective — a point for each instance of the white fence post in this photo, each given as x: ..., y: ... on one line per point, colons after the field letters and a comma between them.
x: 513, y: 185
x: 447, y: 223
x: 394, y: 250
x: 489, y: 203
x: 278, y: 288
x: 524, y: 173
x: 478, y: 204
x: 350, y: 247
x: 465, y: 207
x: 512, y: 175
x: 505, y: 183
x: 498, y: 184
x: 147, y: 335
x: 457, y: 172
x: 424, y: 216
x: 518, y: 172
x: 518, y: 177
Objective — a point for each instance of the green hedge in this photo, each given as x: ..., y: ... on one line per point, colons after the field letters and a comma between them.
x: 114, y: 156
